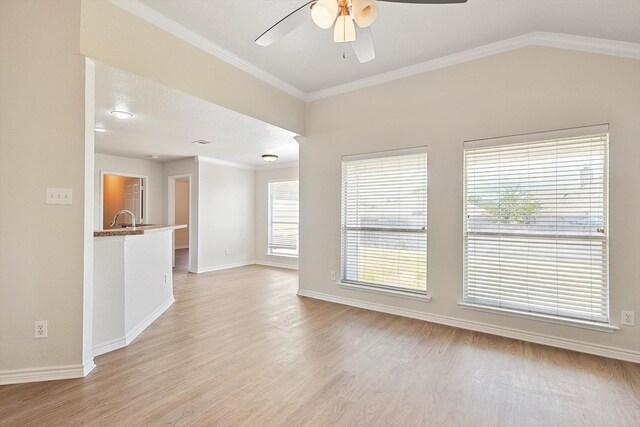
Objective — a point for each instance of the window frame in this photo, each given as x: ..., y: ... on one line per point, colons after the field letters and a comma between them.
x: 532, y: 138
x: 343, y: 282
x: 270, y: 219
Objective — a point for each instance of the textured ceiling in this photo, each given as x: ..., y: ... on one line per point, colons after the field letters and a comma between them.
x: 404, y: 34
x: 166, y: 121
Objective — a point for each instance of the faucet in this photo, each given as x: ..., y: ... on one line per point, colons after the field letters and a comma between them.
x: 121, y: 211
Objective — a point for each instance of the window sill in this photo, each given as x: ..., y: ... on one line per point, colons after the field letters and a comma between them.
x: 389, y: 292
x: 577, y: 323
x: 282, y: 256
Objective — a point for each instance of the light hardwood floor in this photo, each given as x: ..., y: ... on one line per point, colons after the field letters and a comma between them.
x: 240, y: 348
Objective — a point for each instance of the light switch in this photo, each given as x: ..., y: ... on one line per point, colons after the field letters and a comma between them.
x: 59, y: 196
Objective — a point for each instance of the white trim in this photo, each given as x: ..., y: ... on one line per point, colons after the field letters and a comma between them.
x: 586, y: 44
x: 385, y: 153
x: 18, y: 376
x: 224, y: 163
x: 598, y: 350
x: 383, y: 291
x: 182, y: 247
x: 135, y: 332
x: 276, y: 264
x: 296, y: 257
x: 555, y: 40
x: 523, y: 138
x: 147, y: 321
x: 109, y: 346
x: 268, y: 166
x: 172, y: 27
x: 223, y: 267
x: 577, y: 323
x: 88, y: 367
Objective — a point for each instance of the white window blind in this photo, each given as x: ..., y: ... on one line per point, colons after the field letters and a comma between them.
x: 283, y: 218
x: 384, y: 220
x: 536, y: 224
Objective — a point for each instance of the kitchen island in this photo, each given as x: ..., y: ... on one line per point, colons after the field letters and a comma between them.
x: 133, y: 282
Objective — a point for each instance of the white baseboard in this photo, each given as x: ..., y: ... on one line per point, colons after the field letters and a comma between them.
x: 276, y: 264
x: 224, y: 266
x: 120, y: 342
x: 109, y: 346
x: 144, y: 324
x: 88, y: 367
x: 598, y: 350
x: 18, y: 376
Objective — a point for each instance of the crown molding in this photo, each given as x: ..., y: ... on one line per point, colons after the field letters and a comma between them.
x: 268, y: 166
x: 555, y: 40
x: 224, y: 163
x: 154, y: 17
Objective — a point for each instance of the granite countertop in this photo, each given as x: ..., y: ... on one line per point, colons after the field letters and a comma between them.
x: 139, y: 229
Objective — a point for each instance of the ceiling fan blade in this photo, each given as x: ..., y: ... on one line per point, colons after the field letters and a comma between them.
x: 425, y: 1
x: 285, y: 25
x: 363, y: 45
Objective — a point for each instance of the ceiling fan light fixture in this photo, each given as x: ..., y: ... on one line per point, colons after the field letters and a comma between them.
x: 364, y: 12
x: 269, y: 158
x: 344, y: 30
x: 324, y: 13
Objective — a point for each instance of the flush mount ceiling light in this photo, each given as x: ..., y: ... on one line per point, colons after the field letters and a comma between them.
x: 269, y: 158
x: 339, y: 14
x: 122, y: 114
x: 100, y: 130
x: 201, y: 142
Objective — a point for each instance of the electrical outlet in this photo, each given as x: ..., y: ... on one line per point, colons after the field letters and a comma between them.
x: 40, y: 329
x: 227, y: 251
x: 332, y: 275
x: 628, y: 318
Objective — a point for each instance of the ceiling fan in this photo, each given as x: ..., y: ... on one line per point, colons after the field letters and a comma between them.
x: 339, y: 14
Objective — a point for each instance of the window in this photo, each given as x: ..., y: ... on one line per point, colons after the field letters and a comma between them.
x: 536, y: 224
x: 283, y: 218
x: 384, y: 220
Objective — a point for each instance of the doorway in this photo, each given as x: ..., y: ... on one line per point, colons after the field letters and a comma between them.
x: 179, y: 212
x: 122, y: 191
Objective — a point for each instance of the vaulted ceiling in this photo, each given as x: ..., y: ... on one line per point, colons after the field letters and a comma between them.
x: 404, y: 34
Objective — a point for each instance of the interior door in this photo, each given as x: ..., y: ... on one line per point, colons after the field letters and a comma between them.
x: 133, y: 197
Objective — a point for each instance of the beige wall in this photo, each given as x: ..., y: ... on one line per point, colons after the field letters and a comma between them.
x: 262, y: 214
x: 527, y: 90
x: 118, y: 38
x: 226, y: 216
x: 42, y: 144
x: 182, y: 213
x: 156, y: 214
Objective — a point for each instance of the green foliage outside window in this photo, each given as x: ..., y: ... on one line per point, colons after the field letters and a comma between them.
x: 514, y: 206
